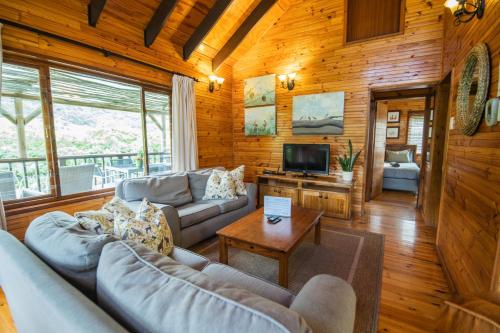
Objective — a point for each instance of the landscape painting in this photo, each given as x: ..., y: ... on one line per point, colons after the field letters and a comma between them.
x: 260, y: 91
x: 260, y: 121
x: 318, y: 114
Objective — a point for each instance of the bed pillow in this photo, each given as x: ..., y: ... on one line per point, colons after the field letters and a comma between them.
x: 402, y: 156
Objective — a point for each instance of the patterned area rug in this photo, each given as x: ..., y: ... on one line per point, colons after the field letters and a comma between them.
x: 355, y: 256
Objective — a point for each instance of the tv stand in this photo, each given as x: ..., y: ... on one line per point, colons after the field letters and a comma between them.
x: 328, y: 193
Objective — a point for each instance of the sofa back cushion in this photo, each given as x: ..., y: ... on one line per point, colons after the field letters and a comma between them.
x: 59, y: 240
x: 167, y: 190
x: 197, y: 184
x: 148, y: 292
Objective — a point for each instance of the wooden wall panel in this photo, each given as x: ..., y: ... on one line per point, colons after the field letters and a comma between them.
x: 116, y: 33
x: 469, y: 220
x: 308, y: 39
x: 405, y: 106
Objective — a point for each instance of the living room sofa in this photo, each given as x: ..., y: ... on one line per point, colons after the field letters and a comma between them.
x: 68, y: 279
x: 180, y: 197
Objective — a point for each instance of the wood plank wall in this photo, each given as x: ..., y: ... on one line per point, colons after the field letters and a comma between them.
x: 69, y: 18
x: 469, y: 221
x: 308, y: 39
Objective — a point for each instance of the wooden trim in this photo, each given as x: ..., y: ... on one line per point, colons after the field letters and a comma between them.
x: 241, y: 33
x: 425, y: 138
x: 94, y: 10
x: 370, y: 147
x: 447, y: 275
x: 145, y: 161
x: 158, y: 20
x: 205, y: 26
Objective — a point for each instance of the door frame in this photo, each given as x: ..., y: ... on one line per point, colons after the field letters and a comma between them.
x: 390, y: 93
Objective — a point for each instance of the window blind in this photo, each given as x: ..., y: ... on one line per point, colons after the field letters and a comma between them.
x: 416, y: 131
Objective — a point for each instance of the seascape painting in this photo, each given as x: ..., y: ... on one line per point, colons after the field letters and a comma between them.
x: 260, y: 121
x: 318, y: 114
x: 260, y: 91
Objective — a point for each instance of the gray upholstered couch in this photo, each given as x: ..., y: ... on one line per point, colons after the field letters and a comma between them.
x: 68, y: 279
x: 179, y: 195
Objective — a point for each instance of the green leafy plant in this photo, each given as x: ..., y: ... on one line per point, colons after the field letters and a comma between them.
x: 347, y: 162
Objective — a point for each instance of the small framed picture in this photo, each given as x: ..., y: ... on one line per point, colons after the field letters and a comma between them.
x: 393, y: 116
x: 392, y: 133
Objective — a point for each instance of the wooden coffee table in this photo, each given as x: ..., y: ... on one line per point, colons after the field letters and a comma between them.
x: 253, y: 233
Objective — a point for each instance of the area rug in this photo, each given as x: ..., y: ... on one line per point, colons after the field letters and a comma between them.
x: 355, y: 256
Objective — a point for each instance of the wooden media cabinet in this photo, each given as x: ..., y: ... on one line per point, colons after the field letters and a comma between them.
x: 328, y: 193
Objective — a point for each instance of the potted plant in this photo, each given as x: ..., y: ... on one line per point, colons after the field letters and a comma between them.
x: 139, y: 159
x: 347, y: 163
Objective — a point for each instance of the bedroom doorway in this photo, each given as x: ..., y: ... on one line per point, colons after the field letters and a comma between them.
x: 398, y: 145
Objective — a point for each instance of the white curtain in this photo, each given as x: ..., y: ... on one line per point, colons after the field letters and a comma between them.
x: 3, y: 220
x: 184, y: 137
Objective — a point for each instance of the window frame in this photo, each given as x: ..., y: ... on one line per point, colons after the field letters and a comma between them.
x: 54, y: 197
x: 410, y: 114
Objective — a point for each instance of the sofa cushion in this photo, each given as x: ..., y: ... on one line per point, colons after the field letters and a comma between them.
x: 188, y: 258
x: 226, y: 206
x: 194, y: 213
x: 59, y: 240
x: 148, y: 292
x: 238, y: 175
x: 169, y: 190
x: 220, y: 185
x: 98, y: 221
x: 197, y: 184
x: 256, y: 285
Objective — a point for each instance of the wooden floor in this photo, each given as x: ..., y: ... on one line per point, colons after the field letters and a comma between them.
x: 414, y: 285
x: 400, y: 198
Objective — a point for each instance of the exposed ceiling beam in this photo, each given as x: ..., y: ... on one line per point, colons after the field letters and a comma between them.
x: 242, y: 31
x: 158, y: 20
x: 95, y: 8
x: 205, y: 26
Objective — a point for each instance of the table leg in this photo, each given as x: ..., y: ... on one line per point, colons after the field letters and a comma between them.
x: 222, y: 250
x: 317, y: 233
x: 283, y: 271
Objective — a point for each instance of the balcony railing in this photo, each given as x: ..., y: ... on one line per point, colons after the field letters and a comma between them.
x: 32, y: 173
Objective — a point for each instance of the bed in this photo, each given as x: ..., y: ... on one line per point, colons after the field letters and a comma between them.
x: 406, y: 176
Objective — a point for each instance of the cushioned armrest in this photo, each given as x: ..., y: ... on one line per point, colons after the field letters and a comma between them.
x: 189, y: 258
x: 327, y: 304
x: 252, y: 196
x: 174, y: 222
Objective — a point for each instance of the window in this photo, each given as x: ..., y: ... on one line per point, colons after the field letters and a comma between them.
x: 24, y: 171
x: 416, y: 130
x: 103, y: 128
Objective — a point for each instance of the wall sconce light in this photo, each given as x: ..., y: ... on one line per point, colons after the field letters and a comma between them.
x: 212, y: 81
x: 287, y: 80
x: 464, y: 11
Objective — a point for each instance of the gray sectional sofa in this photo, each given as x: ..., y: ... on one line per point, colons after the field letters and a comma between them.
x: 180, y: 197
x: 68, y: 279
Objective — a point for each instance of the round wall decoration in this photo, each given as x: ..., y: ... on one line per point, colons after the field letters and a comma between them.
x: 468, y: 120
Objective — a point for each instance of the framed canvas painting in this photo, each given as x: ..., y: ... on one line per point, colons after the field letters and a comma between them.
x: 260, y: 121
x: 260, y: 91
x: 392, y: 133
x: 393, y: 116
x: 318, y: 114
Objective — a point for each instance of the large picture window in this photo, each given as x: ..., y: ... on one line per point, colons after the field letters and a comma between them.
x: 98, y: 131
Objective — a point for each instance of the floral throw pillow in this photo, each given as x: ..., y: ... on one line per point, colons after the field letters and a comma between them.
x: 149, y: 227
x: 99, y: 221
x: 238, y: 174
x: 220, y: 185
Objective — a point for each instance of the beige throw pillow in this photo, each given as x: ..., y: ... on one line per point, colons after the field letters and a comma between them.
x: 149, y: 227
x: 238, y: 175
x: 220, y: 185
x: 101, y: 221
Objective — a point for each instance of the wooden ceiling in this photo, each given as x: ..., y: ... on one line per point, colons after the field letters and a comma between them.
x: 177, y: 21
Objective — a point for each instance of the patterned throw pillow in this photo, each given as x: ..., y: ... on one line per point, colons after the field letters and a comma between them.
x: 238, y: 174
x: 99, y: 221
x: 220, y: 185
x: 148, y: 227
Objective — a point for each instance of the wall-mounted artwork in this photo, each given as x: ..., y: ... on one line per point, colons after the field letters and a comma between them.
x: 393, y: 116
x: 318, y: 114
x: 260, y: 121
x: 392, y: 133
x: 260, y: 91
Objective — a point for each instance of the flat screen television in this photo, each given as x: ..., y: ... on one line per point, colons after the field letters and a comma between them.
x: 306, y: 158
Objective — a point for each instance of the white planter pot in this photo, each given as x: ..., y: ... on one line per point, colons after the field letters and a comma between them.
x: 347, y: 176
